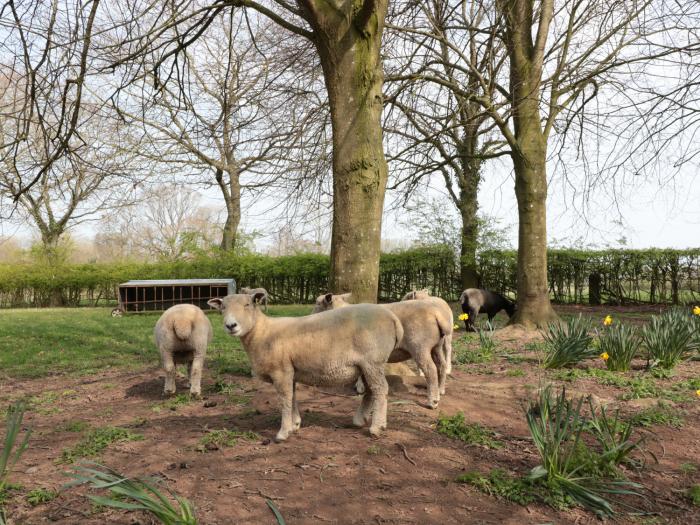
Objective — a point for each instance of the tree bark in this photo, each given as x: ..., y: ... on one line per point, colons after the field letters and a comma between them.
x: 468, y: 206
x: 231, y: 193
x: 348, y: 38
x: 529, y: 154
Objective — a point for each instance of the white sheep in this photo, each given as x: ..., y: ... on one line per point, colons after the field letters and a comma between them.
x: 182, y: 335
x: 333, y: 348
x: 251, y: 291
x: 424, y: 295
x: 424, y: 327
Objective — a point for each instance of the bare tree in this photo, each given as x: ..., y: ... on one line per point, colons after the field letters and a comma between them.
x: 46, y: 48
x: 244, y: 119
x: 439, y: 128
x: 347, y: 37
x: 560, y: 55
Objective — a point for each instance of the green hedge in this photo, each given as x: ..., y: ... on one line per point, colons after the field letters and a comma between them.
x: 616, y: 276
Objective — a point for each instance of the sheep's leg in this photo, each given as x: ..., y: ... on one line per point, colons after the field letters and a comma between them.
x: 189, y: 374
x: 425, y: 363
x: 169, y: 367
x: 441, y: 365
x: 469, y: 322
x: 359, y: 386
x: 296, y: 417
x: 363, y: 414
x: 195, y: 373
x: 447, y: 347
x: 379, y: 389
x: 284, y: 384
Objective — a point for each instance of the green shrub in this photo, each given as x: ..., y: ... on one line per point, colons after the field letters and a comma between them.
x: 619, y: 343
x: 567, y: 344
x: 135, y: 494
x: 456, y: 427
x: 668, y: 339
x: 568, y: 466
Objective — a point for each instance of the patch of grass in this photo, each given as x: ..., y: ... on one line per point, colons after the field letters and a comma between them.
x: 6, y: 490
x: 87, y: 340
x: 232, y: 391
x: 374, y: 450
x: 456, y: 427
x: 96, y: 441
x: 38, y: 496
x: 72, y: 426
x: 515, y: 372
x: 662, y: 414
x: 467, y: 351
x: 693, y: 495
x: 215, y: 439
x: 498, y: 483
x: 688, y: 468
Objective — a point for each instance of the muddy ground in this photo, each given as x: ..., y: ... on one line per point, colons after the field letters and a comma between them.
x: 329, y: 472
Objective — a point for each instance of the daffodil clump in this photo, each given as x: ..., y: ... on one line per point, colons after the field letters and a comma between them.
x: 618, y: 345
x: 670, y: 338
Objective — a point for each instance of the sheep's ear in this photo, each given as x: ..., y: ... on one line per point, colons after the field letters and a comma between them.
x: 328, y: 298
x: 257, y: 297
x: 216, y: 303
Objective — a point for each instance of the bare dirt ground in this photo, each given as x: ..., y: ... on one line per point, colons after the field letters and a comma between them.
x: 329, y: 472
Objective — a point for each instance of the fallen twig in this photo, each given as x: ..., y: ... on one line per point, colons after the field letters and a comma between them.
x: 405, y: 453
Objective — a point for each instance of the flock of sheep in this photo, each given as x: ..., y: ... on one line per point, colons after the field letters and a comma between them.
x: 338, y: 344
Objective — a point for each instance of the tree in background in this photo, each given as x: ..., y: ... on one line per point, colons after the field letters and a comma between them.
x: 434, y: 124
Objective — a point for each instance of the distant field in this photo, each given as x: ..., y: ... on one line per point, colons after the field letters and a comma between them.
x: 39, y: 342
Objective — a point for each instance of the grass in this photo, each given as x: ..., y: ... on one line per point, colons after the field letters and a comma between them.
x: 38, y: 496
x: 73, y: 426
x: 96, y: 441
x: 216, y: 439
x: 498, y: 483
x: 85, y: 340
x: 473, y: 349
x: 456, y: 427
x: 693, y: 495
x: 515, y: 372
x: 374, y: 450
x: 662, y: 414
x: 174, y: 402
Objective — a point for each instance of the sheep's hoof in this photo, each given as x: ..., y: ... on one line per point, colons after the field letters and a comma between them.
x: 376, y: 431
x: 195, y: 395
x: 169, y: 392
x: 433, y: 404
x: 358, y: 421
x: 297, y: 425
x: 281, y: 436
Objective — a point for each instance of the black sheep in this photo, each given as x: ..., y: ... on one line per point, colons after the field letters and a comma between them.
x: 475, y: 301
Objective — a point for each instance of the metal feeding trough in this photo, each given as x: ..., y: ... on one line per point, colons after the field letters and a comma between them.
x: 159, y: 295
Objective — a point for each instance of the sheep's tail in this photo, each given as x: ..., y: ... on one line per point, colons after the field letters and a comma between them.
x: 182, y: 328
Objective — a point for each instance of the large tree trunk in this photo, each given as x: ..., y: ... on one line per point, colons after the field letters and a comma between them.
x: 534, y: 308
x: 232, y: 199
x: 529, y: 153
x: 348, y: 43
x: 468, y: 206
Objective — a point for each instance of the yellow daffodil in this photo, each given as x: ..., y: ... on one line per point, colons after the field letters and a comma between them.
x: 604, y: 356
x: 608, y: 320
x: 463, y: 317
x: 456, y: 326
x: 696, y: 310
x: 698, y: 392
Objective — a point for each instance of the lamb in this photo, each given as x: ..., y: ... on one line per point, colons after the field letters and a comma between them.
x: 250, y: 291
x: 424, y: 295
x: 423, y: 330
x: 332, y: 348
x: 475, y: 301
x: 182, y: 335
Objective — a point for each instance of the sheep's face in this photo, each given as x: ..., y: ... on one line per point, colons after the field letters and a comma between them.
x: 239, y: 312
x: 331, y: 302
